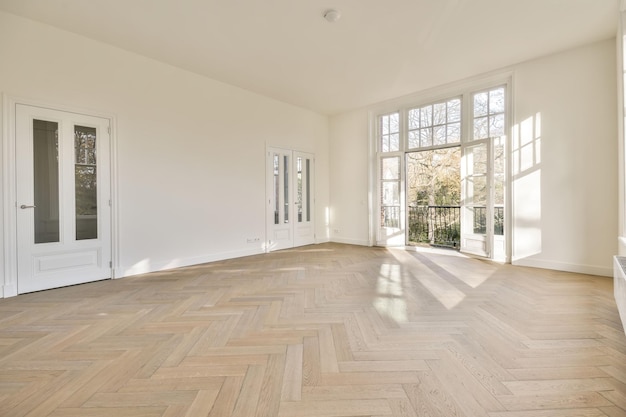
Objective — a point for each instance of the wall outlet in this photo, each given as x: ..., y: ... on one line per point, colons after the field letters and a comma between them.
x: 253, y: 239
x: 336, y: 231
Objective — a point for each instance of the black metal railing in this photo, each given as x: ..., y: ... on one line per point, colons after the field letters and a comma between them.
x: 441, y: 225
x: 435, y: 225
x: 480, y: 220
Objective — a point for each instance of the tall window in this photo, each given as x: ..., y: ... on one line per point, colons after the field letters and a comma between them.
x: 390, y: 132
x: 469, y: 129
x: 488, y: 122
x: 434, y: 125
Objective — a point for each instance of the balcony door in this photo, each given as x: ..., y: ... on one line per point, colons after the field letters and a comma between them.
x: 483, y: 177
x: 290, y: 202
x: 440, y: 175
x: 63, y: 218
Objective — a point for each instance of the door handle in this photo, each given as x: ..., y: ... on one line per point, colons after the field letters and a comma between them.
x: 24, y: 206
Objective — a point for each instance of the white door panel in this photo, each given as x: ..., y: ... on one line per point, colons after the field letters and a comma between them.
x: 63, y: 193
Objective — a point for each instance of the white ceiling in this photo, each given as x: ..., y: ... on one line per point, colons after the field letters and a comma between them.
x: 379, y: 49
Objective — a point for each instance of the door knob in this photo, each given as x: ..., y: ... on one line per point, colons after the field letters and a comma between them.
x: 24, y: 206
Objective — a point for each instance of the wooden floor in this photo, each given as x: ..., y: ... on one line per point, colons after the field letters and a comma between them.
x: 326, y: 330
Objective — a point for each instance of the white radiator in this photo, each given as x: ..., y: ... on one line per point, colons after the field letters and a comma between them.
x: 619, y: 287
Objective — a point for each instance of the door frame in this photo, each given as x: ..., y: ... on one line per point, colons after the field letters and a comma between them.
x: 269, y: 197
x: 8, y: 285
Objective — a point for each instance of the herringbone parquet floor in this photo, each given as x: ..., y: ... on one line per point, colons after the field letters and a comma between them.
x: 326, y: 330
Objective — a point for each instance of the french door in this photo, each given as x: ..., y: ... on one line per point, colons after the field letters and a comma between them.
x: 483, y: 177
x: 420, y: 197
x: 290, y: 202
x: 63, y: 217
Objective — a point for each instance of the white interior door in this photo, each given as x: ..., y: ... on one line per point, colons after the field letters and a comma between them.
x: 290, y: 219
x: 63, y: 198
x: 304, y: 222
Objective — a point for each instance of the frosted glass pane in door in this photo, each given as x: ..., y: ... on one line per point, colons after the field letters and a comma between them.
x: 86, y: 179
x: 46, y: 180
x: 299, y: 190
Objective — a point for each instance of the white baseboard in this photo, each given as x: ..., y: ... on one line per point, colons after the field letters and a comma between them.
x: 8, y: 290
x: 349, y: 241
x: 619, y: 288
x: 147, y: 267
x: 563, y: 266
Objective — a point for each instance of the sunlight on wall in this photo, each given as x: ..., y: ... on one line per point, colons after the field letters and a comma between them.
x: 327, y: 222
x: 141, y: 267
x: 526, y: 170
x: 390, y: 300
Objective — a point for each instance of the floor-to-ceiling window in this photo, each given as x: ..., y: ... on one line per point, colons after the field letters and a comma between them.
x: 441, y: 172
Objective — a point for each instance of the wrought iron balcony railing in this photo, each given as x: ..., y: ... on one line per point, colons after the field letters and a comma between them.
x: 441, y: 225
x: 435, y: 225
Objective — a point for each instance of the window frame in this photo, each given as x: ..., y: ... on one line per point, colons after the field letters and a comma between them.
x: 463, y: 91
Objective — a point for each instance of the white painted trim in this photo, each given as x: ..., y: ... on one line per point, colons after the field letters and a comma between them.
x: 564, y: 266
x: 621, y: 72
x: 148, y: 267
x: 349, y: 241
x: 9, y: 192
x: 9, y: 198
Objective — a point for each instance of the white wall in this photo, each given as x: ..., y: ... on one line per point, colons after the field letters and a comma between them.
x: 565, y: 178
x: 565, y: 198
x: 190, y: 150
x: 349, y: 146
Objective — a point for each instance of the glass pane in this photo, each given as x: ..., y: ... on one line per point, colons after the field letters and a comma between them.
x: 414, y: 139
x: 480, y: 220
x: 454, y: 133
x: 439, y: 134
x: 496, y: 101
x: 426, y: 116
x: 46, y: 180
x: 481, y: 104
x: 384, y: 144
x: 498, y: 221
x: 390, y: 216
x: 308, y: 190
x: 496, y: 127
x: 414, y: 119
x: 390, y: 168
x: 454, y: 110
x: 426, y: 137
x: 86, y: 180
x: 286, y: 186
x: 478, y: 190
x: 391, y: 193
x: 479, y: 160
x: 481, y: 128
x: 394, y: 123
x: 439, y: 114
x: 384, y: 124
x: 299, y: 188
x: 276, y: 189
x: 394, y: 142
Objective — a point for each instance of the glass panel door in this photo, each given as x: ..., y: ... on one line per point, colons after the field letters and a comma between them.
x: 280, y: 233
x: 63, y: 215
x: 476, y: 230
x: 290, y: 219
x: 304, y: 231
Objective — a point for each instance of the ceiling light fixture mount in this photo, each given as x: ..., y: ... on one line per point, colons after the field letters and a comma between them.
x: 332, y: 15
